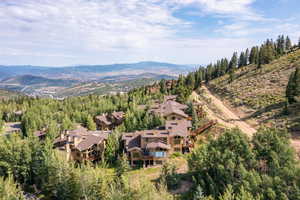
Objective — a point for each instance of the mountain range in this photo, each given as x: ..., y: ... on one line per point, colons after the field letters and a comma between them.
x: 38, y: 80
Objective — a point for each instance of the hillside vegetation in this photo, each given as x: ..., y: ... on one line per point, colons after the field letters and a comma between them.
x: 260, y: 93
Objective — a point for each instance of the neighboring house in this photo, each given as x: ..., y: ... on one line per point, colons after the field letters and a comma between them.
x: 12, y: 127
x: 40, y: 134
x: 109, y: 121
x: 82, y: 145
x: 170, y: 110
x: 153, y: 147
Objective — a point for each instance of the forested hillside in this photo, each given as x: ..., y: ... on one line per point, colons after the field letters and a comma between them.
x: 223, y: 164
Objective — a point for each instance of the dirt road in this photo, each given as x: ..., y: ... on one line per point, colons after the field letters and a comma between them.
x: 224, y: 116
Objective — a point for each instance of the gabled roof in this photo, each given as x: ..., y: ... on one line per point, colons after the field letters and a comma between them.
x: 135, y: 148
x: 103, y: 119
x: 88, y: 142
x: 169, y: 107
x: 178, y: 127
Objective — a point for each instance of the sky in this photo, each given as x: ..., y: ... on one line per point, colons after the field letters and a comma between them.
x: 76, y: 32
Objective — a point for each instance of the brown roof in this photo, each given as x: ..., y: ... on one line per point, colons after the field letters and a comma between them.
x: 170, y: 97
x: 135, y: 148
x: 39, y: 133
x: 103, y: 118
x: 88, y: 142
x: 80, y: 130
x: 12, y: 127
x: 178, y: 127
x: 172, y: 108
x: 169, y: 107
x: 154, y: 145
x: 118, y: 115
x: 154, y: 133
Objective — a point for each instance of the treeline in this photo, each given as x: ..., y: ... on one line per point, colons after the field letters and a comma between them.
x: 257, y: 55
x: 233, y: 167
x: 30, y: 167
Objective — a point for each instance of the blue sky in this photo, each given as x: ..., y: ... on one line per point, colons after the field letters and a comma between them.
x: 73, y: 32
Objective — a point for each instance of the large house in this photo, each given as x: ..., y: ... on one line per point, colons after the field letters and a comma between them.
x: 153, y: 147
x: 109, y: 121
x: 82, y: 145
x: 170, y: 109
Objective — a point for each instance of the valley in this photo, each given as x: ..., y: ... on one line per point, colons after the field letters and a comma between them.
x: 62, y: 82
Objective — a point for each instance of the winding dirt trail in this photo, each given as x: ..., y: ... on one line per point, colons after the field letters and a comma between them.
x: 225, y: 116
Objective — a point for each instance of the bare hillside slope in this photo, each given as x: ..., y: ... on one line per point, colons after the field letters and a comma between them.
x: 259, y: 94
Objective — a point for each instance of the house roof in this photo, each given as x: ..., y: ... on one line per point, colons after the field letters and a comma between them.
x: 178, y: 127
x: 88, y: 142
x: 39, y: 133
x: 154, y: 133
x: 169, y: 107
x: 154, y: 145
x: 170, y: 97
x: 12, y: 127
x: 118, y: 115
x: 103, y: 118
x: 135, y: 148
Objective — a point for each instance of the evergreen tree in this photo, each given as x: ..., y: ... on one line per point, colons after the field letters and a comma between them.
x: 233, y: 62
x: 242, y: 59
x: 293, y: 87
x: 163, y: 88
x: 10, y: 190
x: 90, y: 124
x: 288, y: 43
x: 253, y: 55
x: 122, y: 165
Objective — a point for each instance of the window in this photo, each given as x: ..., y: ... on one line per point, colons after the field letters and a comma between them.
x: 158, y: 154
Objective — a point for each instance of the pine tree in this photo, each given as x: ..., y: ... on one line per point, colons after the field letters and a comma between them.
x: 288, y: 43
x: 253, y: 55
x: 293, y: 87
x: 242, y: 59
x: 122, y: 165
x: 90, y: 124
x: 233, y: 62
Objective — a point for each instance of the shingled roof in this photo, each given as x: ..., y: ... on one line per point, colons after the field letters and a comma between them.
x: 178, y: 127
x: 103, y: 118
x: 88, y: 142
x: 169, y: 107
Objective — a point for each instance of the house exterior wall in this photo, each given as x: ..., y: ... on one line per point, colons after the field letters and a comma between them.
x: 173, y: 117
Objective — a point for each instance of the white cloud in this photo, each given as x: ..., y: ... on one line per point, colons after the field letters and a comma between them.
x: 106, y: 31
